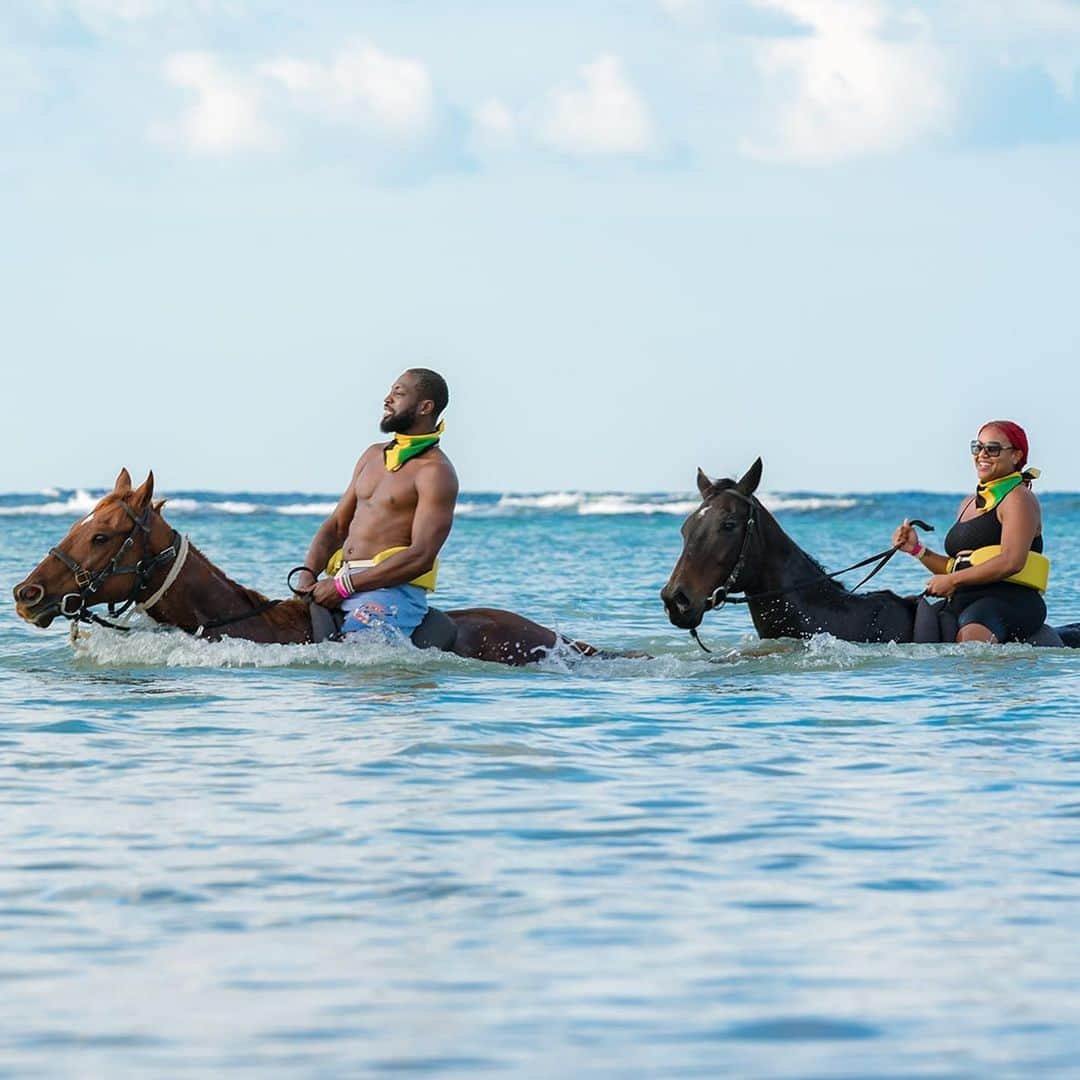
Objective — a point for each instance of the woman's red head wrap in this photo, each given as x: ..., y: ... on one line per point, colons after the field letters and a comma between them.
x: 1017, y: 436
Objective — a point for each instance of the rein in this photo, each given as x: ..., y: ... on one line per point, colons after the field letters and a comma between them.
x: 721, y: 595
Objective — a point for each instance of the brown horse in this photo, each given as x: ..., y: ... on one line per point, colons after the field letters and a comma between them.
x: 125, y: 554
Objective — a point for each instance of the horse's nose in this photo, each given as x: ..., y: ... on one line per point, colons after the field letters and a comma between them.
x: 675, y: 599
x: 29, y: 593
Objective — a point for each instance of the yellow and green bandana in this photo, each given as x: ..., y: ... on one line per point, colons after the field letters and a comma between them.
x: 987, y: 496
x: 408, y: 446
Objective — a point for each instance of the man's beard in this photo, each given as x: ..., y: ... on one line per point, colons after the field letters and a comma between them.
x: 399, y: 422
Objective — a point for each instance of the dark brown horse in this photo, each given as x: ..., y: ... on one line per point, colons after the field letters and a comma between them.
x: 125, y: 554
x: 732, y: 544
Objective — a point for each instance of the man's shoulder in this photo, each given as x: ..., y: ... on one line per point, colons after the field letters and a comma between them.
x: 374, y: 451
x: 435, y: 468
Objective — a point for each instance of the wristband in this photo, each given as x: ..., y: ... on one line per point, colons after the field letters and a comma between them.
x: 917, y: 553
x: 343, y: 590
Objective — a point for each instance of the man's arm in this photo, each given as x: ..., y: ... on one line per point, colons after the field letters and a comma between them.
x: 436, y: 491
x: 331, y: 533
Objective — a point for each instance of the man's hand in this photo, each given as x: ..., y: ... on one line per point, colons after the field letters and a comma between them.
x: 305, y: 580
x: 325, y: 593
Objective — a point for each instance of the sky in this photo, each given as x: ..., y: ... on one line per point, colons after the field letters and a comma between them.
x: 637, y: 237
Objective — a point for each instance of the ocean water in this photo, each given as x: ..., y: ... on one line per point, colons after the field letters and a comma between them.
x: 783, y: 859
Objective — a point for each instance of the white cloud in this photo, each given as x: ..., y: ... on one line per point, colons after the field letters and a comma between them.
x: 1043, y: 33
x: 494, y: 119
x: 92, y: 11
x: 856, y: 84
x: 101, y: 14
x: 681, y: 9
x: 604, y: 116
x: 225, y: 116
x: 392, y: 93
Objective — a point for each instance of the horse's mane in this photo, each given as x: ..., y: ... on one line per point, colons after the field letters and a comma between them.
x: 252, y: 596
x: 828, y: 583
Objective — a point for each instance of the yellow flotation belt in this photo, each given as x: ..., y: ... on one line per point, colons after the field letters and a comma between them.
x: 426, y: 580
x: 1035, y: 573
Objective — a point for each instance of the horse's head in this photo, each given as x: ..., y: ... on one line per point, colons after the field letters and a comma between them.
x: 715, y: 542
x: 92, y: 564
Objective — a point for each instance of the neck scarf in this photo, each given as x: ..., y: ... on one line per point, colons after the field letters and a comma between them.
x: 405, y: 447
x: 988, y: 495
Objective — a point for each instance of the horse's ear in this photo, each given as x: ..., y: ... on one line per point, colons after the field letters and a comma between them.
x: 704, y: 484
x: 144, y: 493
x: 158, y: 504
x: 123, y: 483
x: 750, y: 480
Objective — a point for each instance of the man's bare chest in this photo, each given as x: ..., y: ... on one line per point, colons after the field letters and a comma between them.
x: 388, y: 491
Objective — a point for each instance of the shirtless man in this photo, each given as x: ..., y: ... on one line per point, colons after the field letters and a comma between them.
x: 393, y: 518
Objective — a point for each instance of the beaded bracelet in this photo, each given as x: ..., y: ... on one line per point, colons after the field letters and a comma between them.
x: 340, y: 584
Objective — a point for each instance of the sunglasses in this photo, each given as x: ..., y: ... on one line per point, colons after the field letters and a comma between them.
x: 991, y: 449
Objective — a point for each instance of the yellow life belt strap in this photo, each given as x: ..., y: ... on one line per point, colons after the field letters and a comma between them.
x: 1035, y: 573
x: 426, y: 580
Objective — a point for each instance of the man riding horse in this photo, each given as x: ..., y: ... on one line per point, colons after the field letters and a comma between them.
x: 381, y: 542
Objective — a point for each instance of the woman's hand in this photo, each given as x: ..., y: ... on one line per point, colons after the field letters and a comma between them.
x: 905, y: 538
x: 941, y: 585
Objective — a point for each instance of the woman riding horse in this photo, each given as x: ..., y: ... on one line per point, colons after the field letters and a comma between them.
x: 993, y: 573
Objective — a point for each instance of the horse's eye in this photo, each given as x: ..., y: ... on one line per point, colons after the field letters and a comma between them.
x: 729, y: 524
x: 99, y: 538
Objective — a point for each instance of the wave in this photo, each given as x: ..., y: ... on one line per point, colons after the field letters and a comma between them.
x: 168, y: 647
x: 808, y: 502
x: 615, y: 503
x: 77, y: 503
x: 610, y: 504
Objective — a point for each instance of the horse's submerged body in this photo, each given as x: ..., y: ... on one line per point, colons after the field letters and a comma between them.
x: 732, y: 544
x: 126, y: 555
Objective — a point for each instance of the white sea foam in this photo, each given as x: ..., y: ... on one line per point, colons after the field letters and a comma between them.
x: 78, y: 504
x: 162, y: 647
x: 552, y: 502
x: 617, y: 503
x: 235, y: 507
x: 807, y: 502
x: 585, y: 503
x: 311, y: 509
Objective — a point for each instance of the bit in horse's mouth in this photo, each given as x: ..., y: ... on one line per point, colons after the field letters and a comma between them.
x: 42, y: 618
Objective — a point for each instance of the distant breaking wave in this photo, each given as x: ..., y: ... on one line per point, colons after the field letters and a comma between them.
x: 676, y: 505
x: 71, y: 504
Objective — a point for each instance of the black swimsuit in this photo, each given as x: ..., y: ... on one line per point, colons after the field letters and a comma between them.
x: 1013, y: 612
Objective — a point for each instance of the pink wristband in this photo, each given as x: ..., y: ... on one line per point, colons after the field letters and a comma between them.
x: 918, y: 551
x: 342, y: 588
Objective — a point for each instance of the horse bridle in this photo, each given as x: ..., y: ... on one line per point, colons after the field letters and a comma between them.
x: 719, y: 596
x: 76, y: 606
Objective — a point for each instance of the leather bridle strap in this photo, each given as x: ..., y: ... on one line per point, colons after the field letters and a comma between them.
x: 89, y: 582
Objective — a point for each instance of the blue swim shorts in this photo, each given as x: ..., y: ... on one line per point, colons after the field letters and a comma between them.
x: 390, y: 614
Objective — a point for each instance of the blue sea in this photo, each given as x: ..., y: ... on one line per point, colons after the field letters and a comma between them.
x: 780, y: 859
